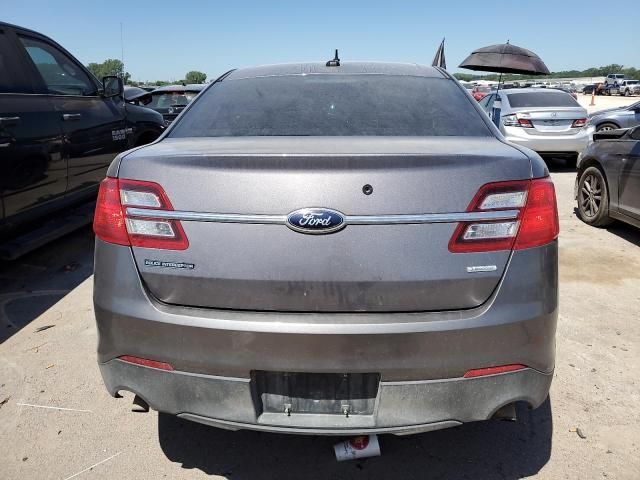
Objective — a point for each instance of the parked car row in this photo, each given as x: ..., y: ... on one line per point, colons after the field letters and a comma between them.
x: 625, y: 88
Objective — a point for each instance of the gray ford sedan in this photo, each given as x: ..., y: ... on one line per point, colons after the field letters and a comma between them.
x: 329, y: 249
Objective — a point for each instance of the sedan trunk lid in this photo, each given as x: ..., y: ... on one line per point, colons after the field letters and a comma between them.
x: 257, y: 263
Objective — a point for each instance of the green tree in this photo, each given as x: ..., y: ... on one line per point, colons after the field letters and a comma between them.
x: 111, y: 66
x: 195, y: 77
x: 629, y: 72
x: 465, y: 77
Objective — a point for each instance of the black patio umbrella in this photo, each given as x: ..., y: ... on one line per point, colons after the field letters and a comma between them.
x: 505, y: 58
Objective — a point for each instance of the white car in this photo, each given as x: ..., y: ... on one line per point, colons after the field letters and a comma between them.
x: 629, y: 87
x: 613, y: 79
x: 549, y: 121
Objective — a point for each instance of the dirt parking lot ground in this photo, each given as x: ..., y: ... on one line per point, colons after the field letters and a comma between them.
x: 602, y: 101
x: 595, y: 388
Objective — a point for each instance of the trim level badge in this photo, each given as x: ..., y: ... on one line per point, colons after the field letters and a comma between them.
x: 316, y: 221
x: 482, y: 268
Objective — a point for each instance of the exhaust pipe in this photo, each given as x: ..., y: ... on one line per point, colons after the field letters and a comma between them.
x: 506, y: 413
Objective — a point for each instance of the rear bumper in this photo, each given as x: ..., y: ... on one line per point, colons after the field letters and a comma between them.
x: 550, y: 143
x: 401, y: 407
x: 421, y: 357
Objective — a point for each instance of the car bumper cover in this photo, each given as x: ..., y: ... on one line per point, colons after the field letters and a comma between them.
x: 550, y: 143
x: 421, y: 357
x: 401, y: 407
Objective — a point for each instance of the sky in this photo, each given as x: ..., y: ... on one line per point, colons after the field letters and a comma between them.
x: 165, y: 39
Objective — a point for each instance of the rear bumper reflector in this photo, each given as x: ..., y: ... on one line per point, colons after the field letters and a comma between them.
x: 483, y: 372
x: 146, y: 362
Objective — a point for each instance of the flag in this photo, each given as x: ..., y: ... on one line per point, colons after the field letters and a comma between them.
x: 438, y: 60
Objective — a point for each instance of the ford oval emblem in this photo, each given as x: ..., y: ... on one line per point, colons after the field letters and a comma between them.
x: 315, y: 220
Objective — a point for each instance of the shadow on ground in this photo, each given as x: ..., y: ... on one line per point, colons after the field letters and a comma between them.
x: 559, y: 165
x: 32, y: 284
x: 623, y: 230
x: 626, y: 232
x: 483, y: 450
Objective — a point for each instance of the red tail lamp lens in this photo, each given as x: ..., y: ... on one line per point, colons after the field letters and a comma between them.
x: 580, y: 122
x: 535, y: 225
x: 108, y: 221
x: 539, y: 224
x: 113, y: 222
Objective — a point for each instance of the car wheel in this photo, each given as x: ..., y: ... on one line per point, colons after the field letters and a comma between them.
x: 627, y: 93
x: 593, y: 198
x: 605, y: 127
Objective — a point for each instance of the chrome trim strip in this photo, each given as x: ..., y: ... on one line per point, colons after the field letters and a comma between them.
x: 207, y: 217
x: 348, y: 220
x: 432, y: 217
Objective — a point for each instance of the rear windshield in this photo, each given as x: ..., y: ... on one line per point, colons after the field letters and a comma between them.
x: 332, y: 105
x: 542, y: 99
x: 171, y: 99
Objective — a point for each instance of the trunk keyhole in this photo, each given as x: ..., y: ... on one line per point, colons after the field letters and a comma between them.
x: 367, y: 189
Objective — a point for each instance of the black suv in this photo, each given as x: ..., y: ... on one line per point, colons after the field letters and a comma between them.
x: 60, y: 128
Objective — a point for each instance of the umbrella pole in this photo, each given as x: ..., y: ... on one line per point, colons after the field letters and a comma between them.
x: 495, y: 112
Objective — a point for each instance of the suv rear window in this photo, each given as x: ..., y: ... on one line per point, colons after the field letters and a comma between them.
x: 332, y: 105
x: 541, y: 99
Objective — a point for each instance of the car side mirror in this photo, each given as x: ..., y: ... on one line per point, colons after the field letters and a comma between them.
x: 112, y: 86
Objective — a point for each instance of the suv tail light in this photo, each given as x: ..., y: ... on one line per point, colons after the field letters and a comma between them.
x: 536, y: 223
x: 113, y: 224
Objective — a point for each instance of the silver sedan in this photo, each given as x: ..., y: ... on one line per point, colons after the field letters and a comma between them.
x: 549, y: 121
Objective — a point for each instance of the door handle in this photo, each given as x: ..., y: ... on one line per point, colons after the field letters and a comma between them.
x: 71, y: 116
x: 9, y: 120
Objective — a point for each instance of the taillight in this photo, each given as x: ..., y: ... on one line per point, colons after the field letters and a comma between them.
x: 514, y: 120
x: 539, y: 222
x: 535, y: 224
x: 113, y: 222
x: 108, y: 221
x: 580, y: 122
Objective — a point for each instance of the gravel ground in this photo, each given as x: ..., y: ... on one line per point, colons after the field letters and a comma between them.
x: 595, y: 388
